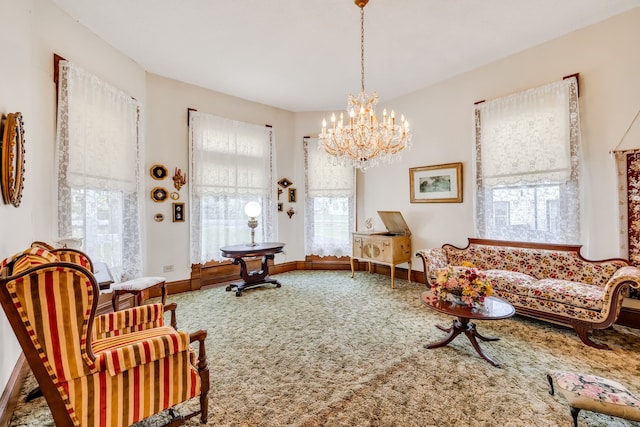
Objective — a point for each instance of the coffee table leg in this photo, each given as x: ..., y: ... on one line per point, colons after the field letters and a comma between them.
x: 483, y: 338
x: 458, y: 326
x: 470, y: 333
x: 455, y: 330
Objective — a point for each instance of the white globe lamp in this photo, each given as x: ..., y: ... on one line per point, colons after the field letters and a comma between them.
x: 253, y: 209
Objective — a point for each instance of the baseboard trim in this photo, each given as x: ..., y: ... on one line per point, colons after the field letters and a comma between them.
x: 218, y: 273
x: 11, y: 393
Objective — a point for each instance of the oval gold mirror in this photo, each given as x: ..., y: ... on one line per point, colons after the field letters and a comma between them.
x: 12, y: 160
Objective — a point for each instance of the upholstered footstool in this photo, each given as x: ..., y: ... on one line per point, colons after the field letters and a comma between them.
x: 138, y: 287
x: 595, y: 394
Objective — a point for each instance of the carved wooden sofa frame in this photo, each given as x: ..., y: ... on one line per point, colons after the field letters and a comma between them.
x: 552, y: 270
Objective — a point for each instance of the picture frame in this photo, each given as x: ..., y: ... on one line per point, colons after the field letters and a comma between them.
x: 178, y: 212
x: 158, y: 172
x: 159, y: 194
x: 292, y: 195
x: 436, y: 184
x: 285, y: 182
x: 12, y: 158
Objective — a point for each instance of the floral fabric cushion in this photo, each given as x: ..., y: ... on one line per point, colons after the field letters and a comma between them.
x: 569, y: 293
x: 549, y: 306
x: 510, y: 281
x: 538, y: 263
x: 597, y: 394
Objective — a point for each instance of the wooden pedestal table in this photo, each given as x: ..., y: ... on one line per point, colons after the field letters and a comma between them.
x: 494, y: 309
x: 252, y: 278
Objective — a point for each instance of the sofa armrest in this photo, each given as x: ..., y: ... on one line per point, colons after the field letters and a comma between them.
x: 433, y: 259
x: 617, y: 284
x: 129, y: 320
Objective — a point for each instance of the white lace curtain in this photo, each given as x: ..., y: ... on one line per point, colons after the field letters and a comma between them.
x: 98, y: 148
x: 329, y: 215
x: 528, y: 165
x: 232, y: 163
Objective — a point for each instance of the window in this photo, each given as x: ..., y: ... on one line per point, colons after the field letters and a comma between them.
x: 98, y: 163
x: 231, y: 165
x: 329, y: 203
x: 528, y: 165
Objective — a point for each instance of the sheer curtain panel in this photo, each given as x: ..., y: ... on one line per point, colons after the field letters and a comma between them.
x: 329, y: 214
x: 98, y: 148
x: 232, y: 163
x: 528, y: 165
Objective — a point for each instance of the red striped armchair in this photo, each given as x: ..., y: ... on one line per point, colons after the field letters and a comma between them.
x: 110, y: 370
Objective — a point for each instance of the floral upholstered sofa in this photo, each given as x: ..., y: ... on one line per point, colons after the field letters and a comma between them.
x: 546, y: 281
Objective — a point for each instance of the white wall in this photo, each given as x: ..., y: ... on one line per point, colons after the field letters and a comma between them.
x: 167, y: 143
x: 608, y: 60
x: 32, y: 31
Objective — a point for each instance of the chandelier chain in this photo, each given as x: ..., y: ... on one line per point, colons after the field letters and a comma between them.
x: 362, y: 47
x: 361, y: 139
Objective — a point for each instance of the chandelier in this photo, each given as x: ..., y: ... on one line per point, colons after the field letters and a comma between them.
x: 364, y: 141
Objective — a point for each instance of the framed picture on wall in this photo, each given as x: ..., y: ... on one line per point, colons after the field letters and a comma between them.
x: 436, y: 184
x: 178, y: 212
x: 292, y: 195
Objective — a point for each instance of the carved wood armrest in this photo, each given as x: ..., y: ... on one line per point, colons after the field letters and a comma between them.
x: 202, y: 353
x: 172, y: 308
x: 203, y: 372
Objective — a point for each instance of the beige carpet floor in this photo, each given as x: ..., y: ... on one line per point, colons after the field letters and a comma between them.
x: 328, y: 350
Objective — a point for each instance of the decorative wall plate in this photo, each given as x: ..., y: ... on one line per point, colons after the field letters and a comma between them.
x: 159, y: 194
x: 158, y: 217
x: 285, y: 182
x: 174, y: 195
x: 12, y: 159
x: 158, y: 172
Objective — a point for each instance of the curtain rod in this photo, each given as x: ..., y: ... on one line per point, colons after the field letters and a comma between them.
x: 576, y: 75
x: 189, y: 110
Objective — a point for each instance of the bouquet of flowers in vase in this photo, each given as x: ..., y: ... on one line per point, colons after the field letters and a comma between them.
x: 466, y: 285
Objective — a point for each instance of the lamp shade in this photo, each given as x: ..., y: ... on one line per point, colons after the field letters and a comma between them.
x: 252, y: 209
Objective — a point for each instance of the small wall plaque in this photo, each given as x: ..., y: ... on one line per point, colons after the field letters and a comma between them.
x: 158, y: 172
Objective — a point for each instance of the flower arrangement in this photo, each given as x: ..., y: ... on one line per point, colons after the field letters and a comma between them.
x: 468, y: 285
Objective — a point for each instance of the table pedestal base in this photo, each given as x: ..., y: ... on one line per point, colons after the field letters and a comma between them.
x: 459, y: 326
x: 252, y: 278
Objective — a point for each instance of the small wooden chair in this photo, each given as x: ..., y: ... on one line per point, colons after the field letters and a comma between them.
x: 595, y: 394
x: 139, y: 287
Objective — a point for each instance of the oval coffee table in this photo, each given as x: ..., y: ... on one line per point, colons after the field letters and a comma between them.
x: 494, y: 309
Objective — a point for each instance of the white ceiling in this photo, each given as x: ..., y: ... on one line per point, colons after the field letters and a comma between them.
x: 304, y: 55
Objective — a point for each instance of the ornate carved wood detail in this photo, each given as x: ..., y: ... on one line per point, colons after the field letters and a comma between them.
x: 12, y: 164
